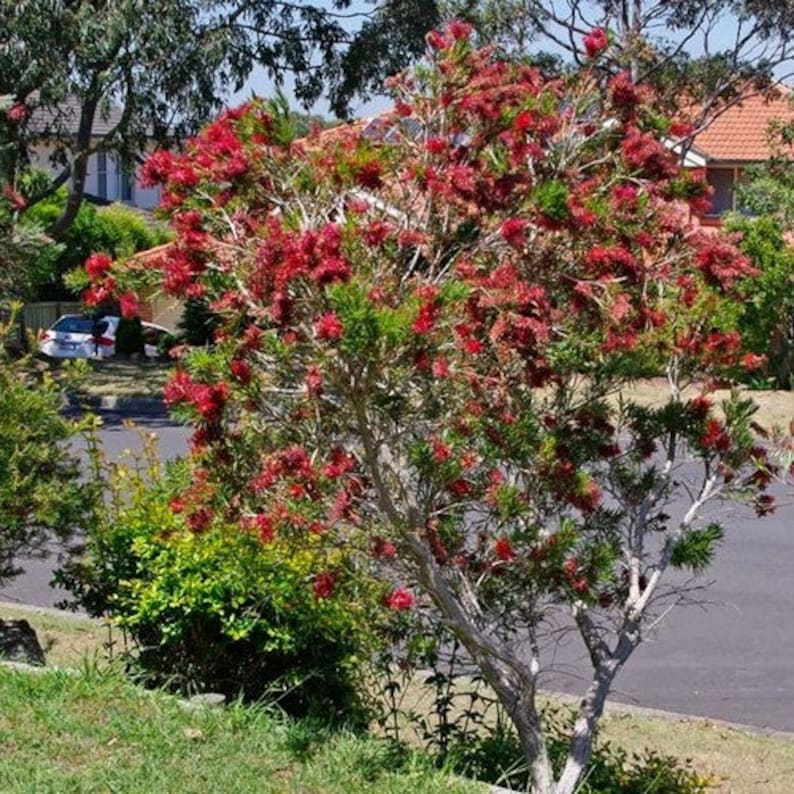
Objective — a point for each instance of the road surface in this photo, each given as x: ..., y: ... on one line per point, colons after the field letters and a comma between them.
x: 732, y: 658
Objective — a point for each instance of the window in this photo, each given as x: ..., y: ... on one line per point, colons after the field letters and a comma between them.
x: 125, y: 186
x: 102, y: 175
x: 722, y: 180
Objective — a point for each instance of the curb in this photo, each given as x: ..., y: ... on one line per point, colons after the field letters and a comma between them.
x: 135, y: 405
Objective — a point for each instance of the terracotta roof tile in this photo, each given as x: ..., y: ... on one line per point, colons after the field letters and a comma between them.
x: 740, y: 133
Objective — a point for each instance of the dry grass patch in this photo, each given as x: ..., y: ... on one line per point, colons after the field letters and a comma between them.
x: 740, y: 762
x: 775, y: 408
x: 68, y: 640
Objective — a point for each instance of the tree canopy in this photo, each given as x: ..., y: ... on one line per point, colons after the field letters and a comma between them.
x: 704, y: 54
x: 424, y: 327
x: 155, y: 70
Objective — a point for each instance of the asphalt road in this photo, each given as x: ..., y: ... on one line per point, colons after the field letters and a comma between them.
x: 731, y: 657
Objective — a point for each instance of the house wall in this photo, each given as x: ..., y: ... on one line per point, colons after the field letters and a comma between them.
x: 112, y: 186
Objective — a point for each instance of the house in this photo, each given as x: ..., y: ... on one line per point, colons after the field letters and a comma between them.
x: 737, y: 138
x: 107, y: 180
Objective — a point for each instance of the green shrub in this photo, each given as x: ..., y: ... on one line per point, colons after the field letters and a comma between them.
x: 129, y: 337
x: 496, y: 757
x: 198, y: 323
x: 41, y: 492
x: 219, y: 610
x: 765, y: 310
x: 116, y: 230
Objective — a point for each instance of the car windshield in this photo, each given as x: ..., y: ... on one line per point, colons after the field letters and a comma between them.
x: 80, y: 325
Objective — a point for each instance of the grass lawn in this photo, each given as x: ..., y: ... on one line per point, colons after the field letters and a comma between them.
x: 95, y: 732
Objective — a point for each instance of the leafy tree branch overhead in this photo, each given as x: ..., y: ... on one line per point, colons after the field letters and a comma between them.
x: 705, y: 53
x: 425, y: 324
x: 155, y: 71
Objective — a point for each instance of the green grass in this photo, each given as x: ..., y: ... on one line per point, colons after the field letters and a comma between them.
x: 95, y: 732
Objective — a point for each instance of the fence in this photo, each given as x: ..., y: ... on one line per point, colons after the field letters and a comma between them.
x: 37, y: 316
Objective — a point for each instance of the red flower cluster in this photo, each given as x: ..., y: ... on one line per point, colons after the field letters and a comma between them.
x: 209, y: 400
x: 399, y: 600
x: 329, y: 327
x: 17, y: 112
x: 595, y: 42
x: 504, y: 550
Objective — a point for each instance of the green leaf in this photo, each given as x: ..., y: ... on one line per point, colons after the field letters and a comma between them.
x: 695, y: 549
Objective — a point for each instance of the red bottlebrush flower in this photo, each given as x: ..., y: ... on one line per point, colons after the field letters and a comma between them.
x: 16, y: 200
x: 199, y: 520
x: 680, y: 129
x: 177, y: 505
x: 426, y: 318
x: 368, y: 175
x: 403, y: 109
x: 504, y: 550
x: 570, y: 567
x: 752, y: 362
x: 714, y: 437
x: 459, y: 487
x: 97, y: 266
x: 314, y: 381
x: 441, y: 451
x: 399, y: 600
x: 580, y: 585
x: 625, y: 93
x: 595, y: 42
x: 700, y: 405
x: 440, y: 368
x: 262, y: 525
x: 524, y: 121
x: 332, y: 270
x: 376, y: 232
x: 128, y: 304
x: 156, y: 170
x: 383, y: 549
x: 340, y: 462
x: 295, y: 460
x: 240, y: 370
x: 209, y: 401
x: 252, y: 339
x: 436, y: 145
x: 329, y: 327
x: 324, y: 585
x: 513, y: 231
x: 178, y: 389
x: 459, y: 29
x: 625, y: 197
x: 17, y: 112
x: 99, y: 293
x: 437, y: 41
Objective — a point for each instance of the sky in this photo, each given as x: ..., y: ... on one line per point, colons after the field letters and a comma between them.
x: 259, y: 82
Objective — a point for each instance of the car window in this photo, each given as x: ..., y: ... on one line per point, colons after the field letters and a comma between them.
x: 80, y: 325
x: 75, y: 325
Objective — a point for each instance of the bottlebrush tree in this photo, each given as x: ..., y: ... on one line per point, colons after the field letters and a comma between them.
x: 426, y: 326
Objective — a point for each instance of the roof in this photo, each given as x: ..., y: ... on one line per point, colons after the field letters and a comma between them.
x: 65, y: 118
x: 740, y: 133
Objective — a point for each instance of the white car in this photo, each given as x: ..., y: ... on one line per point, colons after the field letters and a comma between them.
x: 78, y: 336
